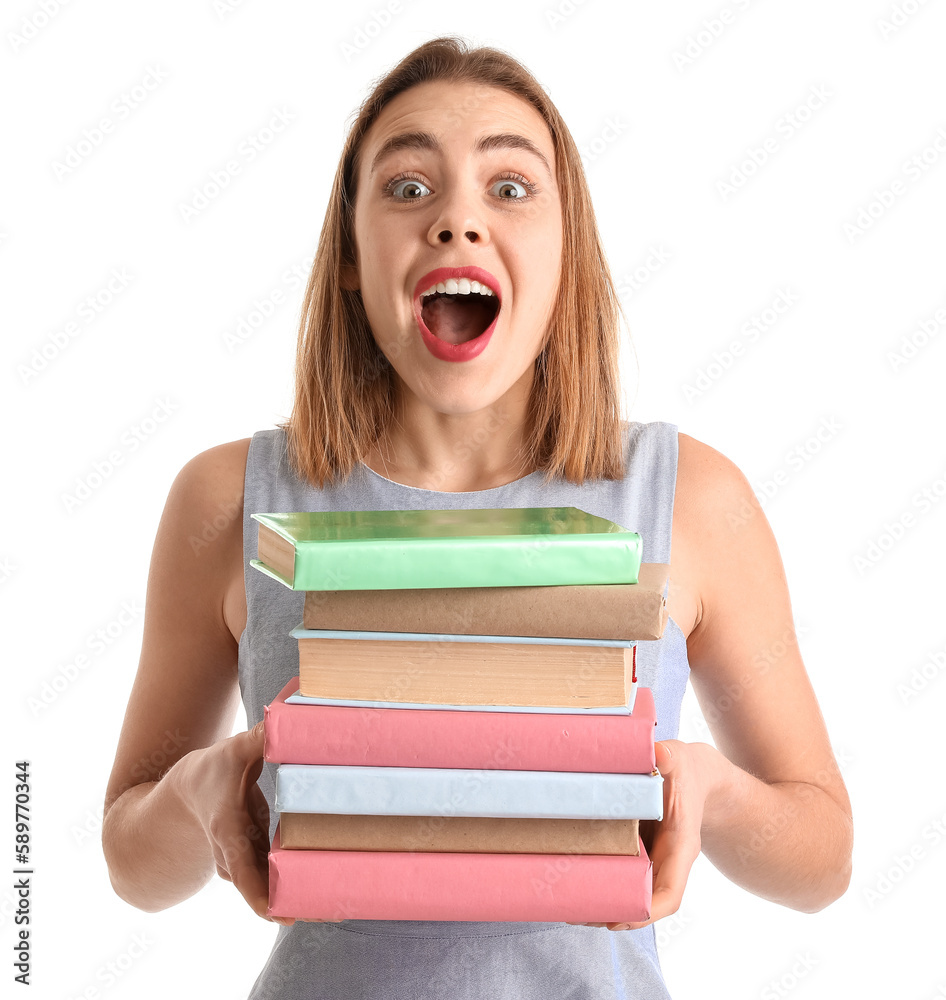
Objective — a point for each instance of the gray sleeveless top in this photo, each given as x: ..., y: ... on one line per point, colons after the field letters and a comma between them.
x: 361, y: 959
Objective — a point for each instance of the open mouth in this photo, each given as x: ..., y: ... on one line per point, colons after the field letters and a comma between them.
x: 458, y: 318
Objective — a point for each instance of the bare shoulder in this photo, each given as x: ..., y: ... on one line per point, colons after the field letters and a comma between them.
x: 210, y: 488
x: 214, y: 476
x: 730, y: 552
x: 705, y: 474
x: 708, y: 485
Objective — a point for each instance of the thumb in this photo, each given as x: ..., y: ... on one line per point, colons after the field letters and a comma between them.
x: 663, y: 752
x: 252, y: 743
x: 257, y: 736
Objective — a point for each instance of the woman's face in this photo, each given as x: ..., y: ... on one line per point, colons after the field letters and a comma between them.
x: 458, y: 176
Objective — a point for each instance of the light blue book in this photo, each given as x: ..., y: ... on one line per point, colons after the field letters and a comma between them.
x: 427, y: 791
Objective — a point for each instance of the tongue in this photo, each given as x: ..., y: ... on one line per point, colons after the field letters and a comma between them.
x: 456, y: 318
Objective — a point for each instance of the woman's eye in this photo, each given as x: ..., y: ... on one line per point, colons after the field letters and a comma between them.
x: 409, y: 189
x: 510, y: 190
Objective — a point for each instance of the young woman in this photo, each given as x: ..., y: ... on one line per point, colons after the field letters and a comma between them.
x: 459, y: 169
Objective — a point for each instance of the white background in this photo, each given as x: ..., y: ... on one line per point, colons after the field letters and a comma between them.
x: 870, y: 617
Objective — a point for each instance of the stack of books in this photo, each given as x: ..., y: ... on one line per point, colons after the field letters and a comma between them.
x: 466, y: 739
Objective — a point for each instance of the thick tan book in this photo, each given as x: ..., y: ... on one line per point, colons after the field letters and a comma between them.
x: 467, y: 670
x: 610, y: 611
x: 461, y: 834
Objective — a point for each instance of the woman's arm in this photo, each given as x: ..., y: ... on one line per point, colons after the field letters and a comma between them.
x: 769, y: 807
x: 182, y: 798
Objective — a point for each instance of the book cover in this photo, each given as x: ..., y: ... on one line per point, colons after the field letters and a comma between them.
x: 307, y: 733
x: 472, y: 834
x: 427, y: 791
x: 383, y: 885
x: 612, y: 611
x: 465, y: 669
x: 421, y: 549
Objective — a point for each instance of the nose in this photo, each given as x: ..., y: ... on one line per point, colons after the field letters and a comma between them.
x: 460, y: 214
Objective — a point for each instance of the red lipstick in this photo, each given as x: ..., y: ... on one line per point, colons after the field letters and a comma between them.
x: 440, y: 348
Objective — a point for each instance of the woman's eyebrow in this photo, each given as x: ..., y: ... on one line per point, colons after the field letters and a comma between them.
x: 484, y: 144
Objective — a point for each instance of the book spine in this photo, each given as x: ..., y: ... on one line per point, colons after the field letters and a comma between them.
x: 467, y: 672
x: 590, y: 612
x: 413, y: 791
x: 369, y: 885
x: 469, y: 834
x: 481, y: 561
x: 405, y: 737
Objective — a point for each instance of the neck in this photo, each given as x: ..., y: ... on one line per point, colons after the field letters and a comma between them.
x: 451, y: 452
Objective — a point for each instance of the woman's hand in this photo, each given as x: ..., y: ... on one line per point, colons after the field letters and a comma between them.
x: 673, y: 844
x: 218, y: 786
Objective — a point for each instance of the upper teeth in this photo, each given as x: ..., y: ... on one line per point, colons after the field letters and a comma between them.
x: 458, y: 286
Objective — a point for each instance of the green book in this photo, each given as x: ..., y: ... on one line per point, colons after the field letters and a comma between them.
x: 424, y: 549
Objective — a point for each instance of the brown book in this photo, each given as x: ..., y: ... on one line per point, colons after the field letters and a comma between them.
x: 458, y: 834
x: 450, y: 670
x: 612, y: 611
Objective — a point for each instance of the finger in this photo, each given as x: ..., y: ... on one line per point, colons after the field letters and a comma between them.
x: 235, y: 843
x: 664, y: 755
x: 258, y: 809
x: 672, y: 865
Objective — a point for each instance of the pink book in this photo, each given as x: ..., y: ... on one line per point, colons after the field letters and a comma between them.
x: 406, y: 737
x: 384, y: 885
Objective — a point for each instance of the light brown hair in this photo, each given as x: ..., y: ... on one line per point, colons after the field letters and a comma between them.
x: 345, y: 386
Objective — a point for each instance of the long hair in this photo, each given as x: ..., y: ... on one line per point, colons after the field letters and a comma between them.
x: 345, y: 386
